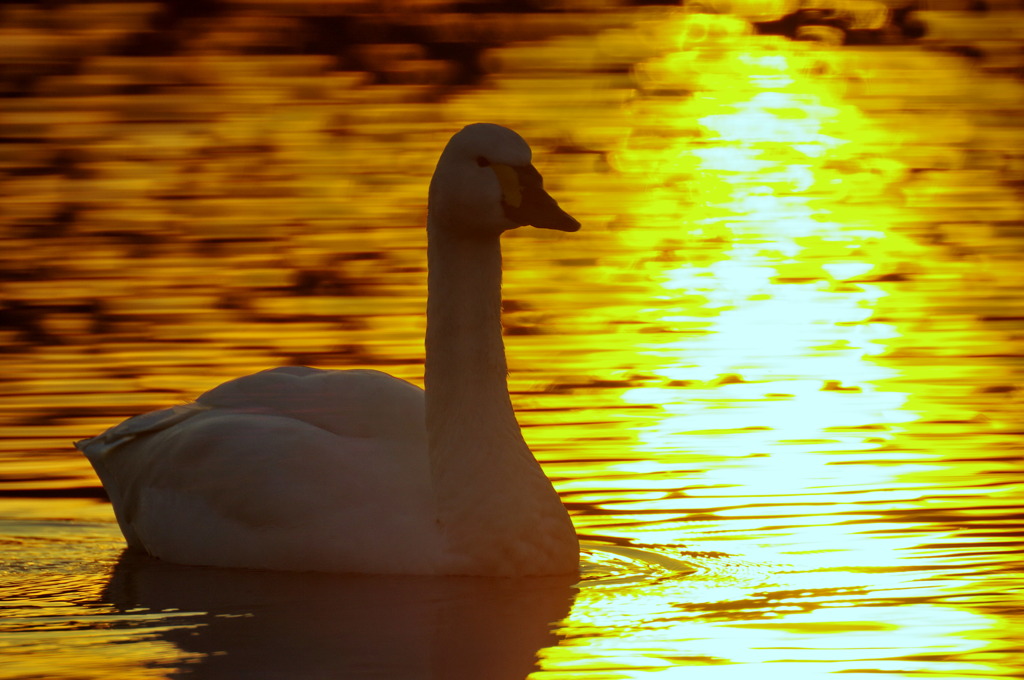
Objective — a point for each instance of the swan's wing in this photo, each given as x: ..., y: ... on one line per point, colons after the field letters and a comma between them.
x: 357, y: 403
x: 285, y: 469
x: 353, y: 403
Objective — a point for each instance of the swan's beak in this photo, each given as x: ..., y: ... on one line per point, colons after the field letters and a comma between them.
x: 525, y: 201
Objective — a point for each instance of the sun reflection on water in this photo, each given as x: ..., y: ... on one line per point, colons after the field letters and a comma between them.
x: 766, y: 311
x: 749, y: 162
x: 727, y: 630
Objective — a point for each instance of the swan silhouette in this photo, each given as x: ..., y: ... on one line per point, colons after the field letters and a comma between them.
x: 303, y: 469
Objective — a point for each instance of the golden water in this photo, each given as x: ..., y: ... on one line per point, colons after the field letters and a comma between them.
x: 786, y: 345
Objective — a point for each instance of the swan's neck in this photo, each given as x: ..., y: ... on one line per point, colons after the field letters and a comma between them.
x: 466, y: 369
x: 496, y: 508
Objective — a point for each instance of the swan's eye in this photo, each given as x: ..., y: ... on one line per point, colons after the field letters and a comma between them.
x: 482, y: 162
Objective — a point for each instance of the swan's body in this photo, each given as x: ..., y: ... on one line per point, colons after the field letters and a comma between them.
x: 357, y: 471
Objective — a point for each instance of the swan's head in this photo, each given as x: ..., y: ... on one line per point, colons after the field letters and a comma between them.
x: 485, y: 184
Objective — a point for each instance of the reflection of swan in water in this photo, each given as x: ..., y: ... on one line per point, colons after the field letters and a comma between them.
x: 303, y: 469
x: 263, y: 624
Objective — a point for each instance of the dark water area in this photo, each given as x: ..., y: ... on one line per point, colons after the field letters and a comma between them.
x: 787, y: 346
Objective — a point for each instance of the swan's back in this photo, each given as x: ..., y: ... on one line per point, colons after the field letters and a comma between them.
x: 353, y: 403
x: 292, y: 468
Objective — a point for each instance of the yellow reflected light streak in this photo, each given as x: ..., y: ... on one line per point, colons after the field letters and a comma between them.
x: 653, y: 640
x: 765, y: 340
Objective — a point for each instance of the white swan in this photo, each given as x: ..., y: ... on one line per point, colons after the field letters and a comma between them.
x: 303, y: 469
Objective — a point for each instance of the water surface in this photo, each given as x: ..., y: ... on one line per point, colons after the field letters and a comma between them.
x: 785, y: 347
